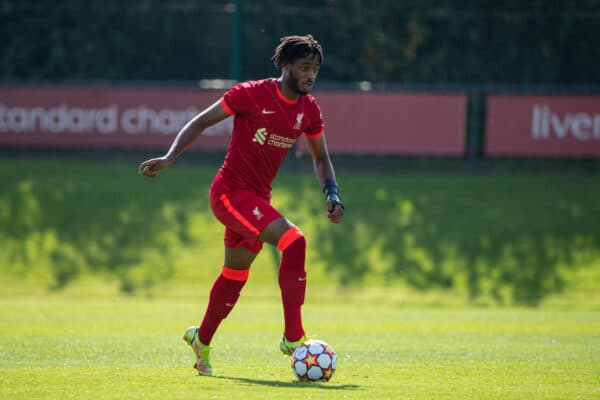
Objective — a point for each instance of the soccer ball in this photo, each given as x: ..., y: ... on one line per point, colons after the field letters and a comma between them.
x: 315, y: 361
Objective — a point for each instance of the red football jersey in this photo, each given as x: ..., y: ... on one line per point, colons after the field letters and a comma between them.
x: 265, y: 127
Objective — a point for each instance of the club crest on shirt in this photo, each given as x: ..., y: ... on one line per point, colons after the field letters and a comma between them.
x: 257, y: 213
x: 298, y: 121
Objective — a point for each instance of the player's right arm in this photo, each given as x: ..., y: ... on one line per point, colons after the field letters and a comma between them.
x: 185, y: 138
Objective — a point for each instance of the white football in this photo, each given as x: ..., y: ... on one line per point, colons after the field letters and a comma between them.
x: 314, y: 360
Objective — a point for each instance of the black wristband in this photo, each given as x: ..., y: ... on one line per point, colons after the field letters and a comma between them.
x: 330, y: 187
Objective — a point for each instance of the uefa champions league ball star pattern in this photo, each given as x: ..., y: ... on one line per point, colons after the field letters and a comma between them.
x: 315, y: 361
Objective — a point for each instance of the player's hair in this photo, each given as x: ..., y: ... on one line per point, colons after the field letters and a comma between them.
x: 293, y: 47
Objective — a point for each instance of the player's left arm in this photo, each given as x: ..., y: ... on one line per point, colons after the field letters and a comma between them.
x: 326, y: 176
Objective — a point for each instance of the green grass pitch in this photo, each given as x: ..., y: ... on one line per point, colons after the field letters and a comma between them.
x: 62, y: 348
x: 450, y: 324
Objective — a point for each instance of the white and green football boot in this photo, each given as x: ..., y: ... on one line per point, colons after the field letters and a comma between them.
x: 201, y: 350
x: 288, y: 347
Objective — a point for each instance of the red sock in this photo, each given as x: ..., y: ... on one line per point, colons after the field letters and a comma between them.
x: 292, y: 281
x: 223, y: 296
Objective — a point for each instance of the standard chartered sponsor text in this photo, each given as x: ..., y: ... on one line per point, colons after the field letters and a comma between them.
x: 105, y: 120
x: 280, y: 141
x: 58, y: 119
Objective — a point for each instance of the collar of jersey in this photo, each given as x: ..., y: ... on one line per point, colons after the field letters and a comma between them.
x: 281, y: 96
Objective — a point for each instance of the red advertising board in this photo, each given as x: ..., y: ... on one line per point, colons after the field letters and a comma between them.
x: 150, y: 117
x: 104, y: 117
x: 543, y: 126
x: 393, y: 123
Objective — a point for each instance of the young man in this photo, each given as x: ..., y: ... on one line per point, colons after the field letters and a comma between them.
x: 270, y: 114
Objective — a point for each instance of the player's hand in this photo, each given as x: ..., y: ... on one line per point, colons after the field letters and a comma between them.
x: 335, y: 211
x: 151, y: 167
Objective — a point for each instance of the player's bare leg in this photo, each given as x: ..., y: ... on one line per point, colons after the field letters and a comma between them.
x: 273, y: 232
x: 239, y: 257
x: 292, y: 278
x: 223, y: 296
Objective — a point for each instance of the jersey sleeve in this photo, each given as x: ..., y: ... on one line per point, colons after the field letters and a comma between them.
x: 236, y: 99
x: 316, y: 127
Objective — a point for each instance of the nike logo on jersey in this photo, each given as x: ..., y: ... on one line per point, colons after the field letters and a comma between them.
x: 265, y: 111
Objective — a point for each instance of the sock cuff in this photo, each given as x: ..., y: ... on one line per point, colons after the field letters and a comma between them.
x: 288, y: 237
x: 240, y: 275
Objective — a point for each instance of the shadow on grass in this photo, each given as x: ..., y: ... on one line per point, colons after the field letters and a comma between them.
x: 513, y: 238
x: 291, y: 384
x: 75, y: 217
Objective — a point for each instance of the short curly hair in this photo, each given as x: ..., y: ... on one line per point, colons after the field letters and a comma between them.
x: 293, y: 47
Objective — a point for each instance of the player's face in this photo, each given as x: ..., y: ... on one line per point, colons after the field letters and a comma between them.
x: 302, y: 74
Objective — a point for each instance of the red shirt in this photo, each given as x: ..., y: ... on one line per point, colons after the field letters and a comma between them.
x: 265, y: 127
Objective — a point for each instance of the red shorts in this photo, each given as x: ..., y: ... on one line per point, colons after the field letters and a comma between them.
x: 244, y: 213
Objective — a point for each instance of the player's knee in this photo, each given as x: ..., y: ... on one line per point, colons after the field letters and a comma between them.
x: 293, y: 236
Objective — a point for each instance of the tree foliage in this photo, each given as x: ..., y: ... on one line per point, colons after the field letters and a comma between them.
x: 452, y: 41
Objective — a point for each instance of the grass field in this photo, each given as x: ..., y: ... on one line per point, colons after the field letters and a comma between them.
x: 57, y: 348
x: 436, y: 286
